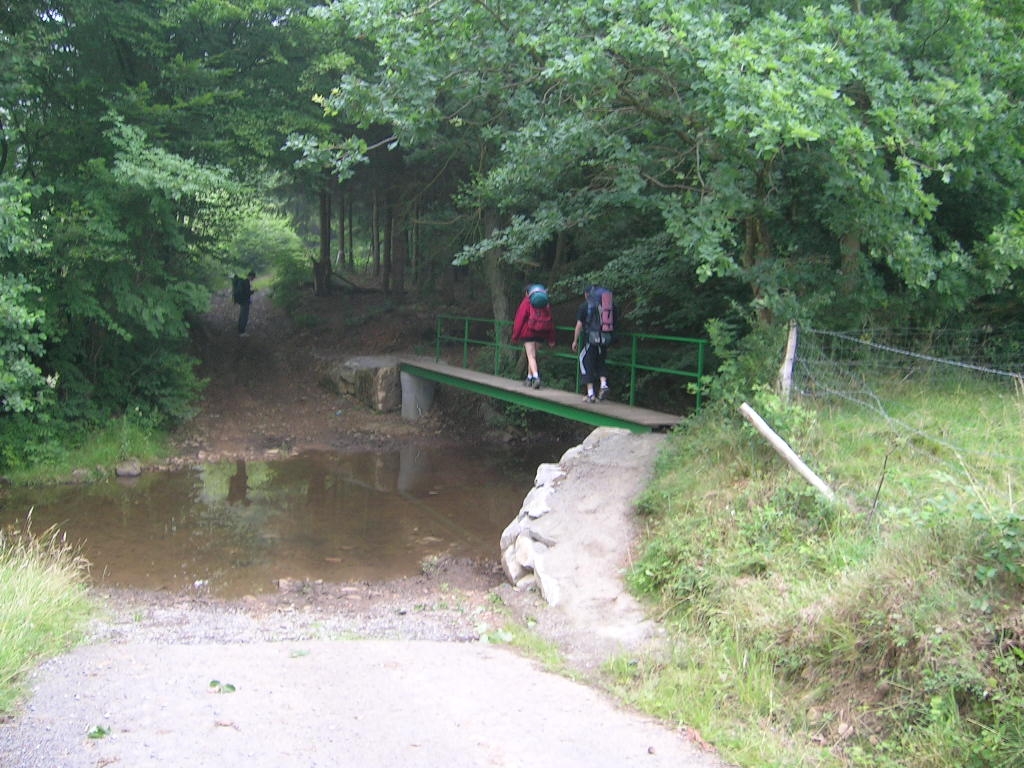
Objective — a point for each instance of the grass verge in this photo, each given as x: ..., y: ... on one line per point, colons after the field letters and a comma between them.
x: 95, y: 457
x: 884, y: 629
x: 43, y: 603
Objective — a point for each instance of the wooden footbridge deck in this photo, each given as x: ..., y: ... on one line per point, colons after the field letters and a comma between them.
x: 568, y: 405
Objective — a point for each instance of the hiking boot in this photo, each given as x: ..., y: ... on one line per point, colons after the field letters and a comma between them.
x: 536, y: 383
x: 588, y: 399
x: 528, y: 382
x: 603, y: 393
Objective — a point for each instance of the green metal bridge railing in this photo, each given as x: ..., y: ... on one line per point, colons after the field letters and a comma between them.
x: 471, y: 333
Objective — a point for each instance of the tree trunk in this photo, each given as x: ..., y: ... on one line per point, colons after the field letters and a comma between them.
x: 399, y: 253
x: 753, y: 254
x: 414, y: 248
x: 494, y: 276
x: 375, y: 235
x: 757, y: 248
x: 339, y: 259
x: 849, y: 268
x: 351, y: 242
x: 561, y: 241
x: 322, y: 267
x: 389, y: 225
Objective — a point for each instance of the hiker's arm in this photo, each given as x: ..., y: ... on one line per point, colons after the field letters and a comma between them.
x: 576, y: 335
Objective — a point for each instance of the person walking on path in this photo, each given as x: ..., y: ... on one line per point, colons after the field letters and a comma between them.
x: 594, y: 353
x: 243, y: 291
x: 533, y: 325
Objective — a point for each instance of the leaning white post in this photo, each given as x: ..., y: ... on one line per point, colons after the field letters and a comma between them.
x: 782, y: 447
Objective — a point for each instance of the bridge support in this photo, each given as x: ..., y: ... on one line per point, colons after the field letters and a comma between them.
x: 417, y: 396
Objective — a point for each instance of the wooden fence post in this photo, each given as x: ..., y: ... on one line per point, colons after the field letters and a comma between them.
x: 786, y: 371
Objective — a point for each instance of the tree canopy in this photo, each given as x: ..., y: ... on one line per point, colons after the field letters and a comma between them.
x: 750, y: 163
x: 820, y: 156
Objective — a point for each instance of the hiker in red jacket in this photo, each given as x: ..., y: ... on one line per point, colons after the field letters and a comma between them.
x: 533, y: 325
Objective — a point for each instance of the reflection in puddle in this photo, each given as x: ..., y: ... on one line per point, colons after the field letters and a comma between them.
x: 234, y: 528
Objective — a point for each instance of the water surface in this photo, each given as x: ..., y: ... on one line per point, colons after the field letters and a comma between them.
x: 235, y: 528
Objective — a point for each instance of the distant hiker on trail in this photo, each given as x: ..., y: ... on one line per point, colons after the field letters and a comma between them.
x: 533, y: 325
x: 595, y: 321
x: 242, y: 291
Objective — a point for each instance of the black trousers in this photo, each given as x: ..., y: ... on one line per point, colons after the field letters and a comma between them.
x: 592, y: 363
x: 243, y: 316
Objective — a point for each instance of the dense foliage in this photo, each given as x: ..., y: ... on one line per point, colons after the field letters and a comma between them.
x: 129, y: 137
x: 735, y: 164
x: 809, y: 160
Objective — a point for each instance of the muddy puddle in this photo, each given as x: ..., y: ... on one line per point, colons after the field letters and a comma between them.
x: 235, y: 528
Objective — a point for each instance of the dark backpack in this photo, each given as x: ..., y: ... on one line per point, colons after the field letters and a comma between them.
x: 238, y: 292
x: 600, y: 316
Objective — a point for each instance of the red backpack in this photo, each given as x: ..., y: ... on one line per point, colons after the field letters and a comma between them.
x: 539, y: 322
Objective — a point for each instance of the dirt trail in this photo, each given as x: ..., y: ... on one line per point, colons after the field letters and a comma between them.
x: 265, y: 394
x: 279, y: 680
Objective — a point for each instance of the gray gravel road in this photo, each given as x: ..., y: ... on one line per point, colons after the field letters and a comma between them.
x: 326, y: 703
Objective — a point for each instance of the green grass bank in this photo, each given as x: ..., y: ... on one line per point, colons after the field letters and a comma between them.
x: 43, y: 604
x: 884, y: 628
x: 88, y: 455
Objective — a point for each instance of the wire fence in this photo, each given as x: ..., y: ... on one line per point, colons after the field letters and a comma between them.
x: 917, y: 383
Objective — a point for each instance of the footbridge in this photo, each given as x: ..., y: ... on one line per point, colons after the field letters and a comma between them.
x: 465, y: 345
x: 568, y: 405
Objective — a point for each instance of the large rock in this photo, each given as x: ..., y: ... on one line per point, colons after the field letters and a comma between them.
x: 574, y: 535
x: 128, y: 468
x: 373, y: 381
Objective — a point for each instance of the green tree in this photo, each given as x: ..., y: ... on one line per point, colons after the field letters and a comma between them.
x: 815, y: 154
x: 133, y: 253
x: 268, y: 240
x: 127, y: 117
x: 22, y: 383
x: 449, y: 86
x: 21, y: 343
x: 804, y: 153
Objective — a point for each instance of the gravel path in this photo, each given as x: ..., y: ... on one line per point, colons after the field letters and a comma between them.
x: 326, y: 703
